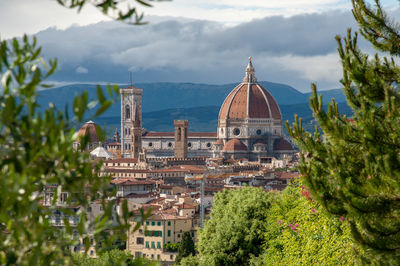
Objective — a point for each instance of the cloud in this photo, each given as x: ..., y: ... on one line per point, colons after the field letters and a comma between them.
x: 313, y: 68
x: 81, y: 70
x: 238, y: 11
x: 294, y: 50
x: 20, y: 16
x: 41, y: 14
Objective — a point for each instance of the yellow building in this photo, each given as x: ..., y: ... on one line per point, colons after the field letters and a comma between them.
x: 159, y: 229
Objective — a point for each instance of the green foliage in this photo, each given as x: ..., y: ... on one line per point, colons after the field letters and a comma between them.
x: 37, y: 152
x: 190, y: 261
x: 186, y: 247
x: 115, y: 9
x: 299, y: 232
x: 235, y: 229
x: 172, y: 247
x: 354, y: 169
x: 250, y: 226
x: 113, y: 257
x: 377, y: 27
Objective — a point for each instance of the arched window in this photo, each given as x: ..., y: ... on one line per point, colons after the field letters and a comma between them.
x: 127, y: 112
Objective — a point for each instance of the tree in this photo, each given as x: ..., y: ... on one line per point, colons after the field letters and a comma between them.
x: 298, y: 231
x: 235, y: 230
x: 186, y: 247
x: 36, y: 151
x: 353, y: 169
x: 120, y: 10
x: 113, y: 257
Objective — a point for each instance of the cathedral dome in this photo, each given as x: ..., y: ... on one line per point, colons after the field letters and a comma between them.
x: 249, y: 100
x: 234, y: 145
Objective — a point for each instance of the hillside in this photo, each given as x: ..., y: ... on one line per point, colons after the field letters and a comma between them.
x: 327, y: 95
x: 199, y: 103
x: 163, y: 95
x: 204, y: 118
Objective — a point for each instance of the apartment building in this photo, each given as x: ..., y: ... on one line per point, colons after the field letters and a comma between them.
x: 159, y: 229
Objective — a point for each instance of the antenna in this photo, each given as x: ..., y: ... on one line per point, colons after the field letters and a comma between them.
x: 202, y: 200
x: 130, y: 74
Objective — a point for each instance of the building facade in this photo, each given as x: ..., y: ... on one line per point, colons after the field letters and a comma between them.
x: 150, y: 240
x: 249, y: 126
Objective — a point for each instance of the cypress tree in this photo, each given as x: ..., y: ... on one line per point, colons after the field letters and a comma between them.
x: 186, y: 248
x: 352, y: 166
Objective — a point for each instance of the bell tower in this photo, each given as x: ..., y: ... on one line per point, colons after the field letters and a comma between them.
x: 131, y: 107
x: 136, y: 134
x: 181, y: 138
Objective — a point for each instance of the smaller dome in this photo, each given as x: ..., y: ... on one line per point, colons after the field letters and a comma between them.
x: 89, y: 128
x: 282, y: 144
x: 234, y: 145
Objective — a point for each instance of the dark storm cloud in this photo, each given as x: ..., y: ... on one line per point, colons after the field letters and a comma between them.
x: 285, y: 50
x: 311, y: 34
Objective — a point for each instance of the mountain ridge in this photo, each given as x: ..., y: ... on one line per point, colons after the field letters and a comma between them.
x: 163, y: 102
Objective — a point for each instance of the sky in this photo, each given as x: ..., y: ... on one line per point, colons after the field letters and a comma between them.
x: 199, y: 41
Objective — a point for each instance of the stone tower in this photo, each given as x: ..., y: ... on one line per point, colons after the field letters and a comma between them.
x: 181, y: 137
x: 116, y: 136
x: 136, y: 134
x: 131, y: 100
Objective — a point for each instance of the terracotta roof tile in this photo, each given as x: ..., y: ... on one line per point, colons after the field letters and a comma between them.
x: 223, y: 113
x: 255, y: 103
x: 287, y: 175
x: 282, y: 145
x: 238, y: 107
x: 132, y: 181
x: 118, y: 170
x: 122, y: 160
x: 258, y: 107
x: 89, y: 128
x: 234, y: 145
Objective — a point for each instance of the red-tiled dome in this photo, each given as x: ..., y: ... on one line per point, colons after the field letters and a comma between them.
x: 249, y: 100
x: 282, y: 145
x: 234, y: 145
x: 90, y: 128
